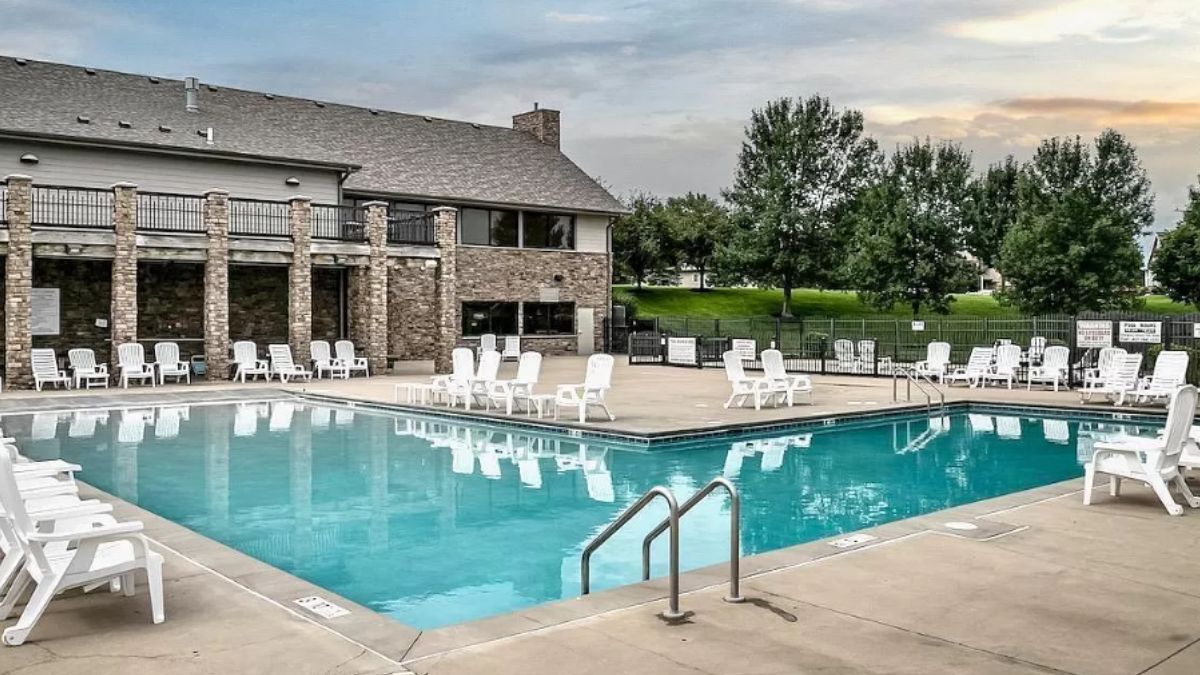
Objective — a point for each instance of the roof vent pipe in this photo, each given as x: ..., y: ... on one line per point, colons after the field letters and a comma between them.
x: 191, y: 93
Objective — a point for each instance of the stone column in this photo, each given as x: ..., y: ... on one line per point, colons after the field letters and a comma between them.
x: 123, y: 316
x: 18, y: 282
x: 300, y: 280
x: 446, y: 237
x: 216, y: 285
x: 376, y: 320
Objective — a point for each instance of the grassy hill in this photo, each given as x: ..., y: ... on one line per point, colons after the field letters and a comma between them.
x: 743, y: 302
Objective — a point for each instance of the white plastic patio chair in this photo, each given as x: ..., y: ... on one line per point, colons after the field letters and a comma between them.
x: 1056, y: 361
x: 1154, y: 461
x: 168, y: 363
x: 937, y: 361
x: 246, y: 361
x: 85, y: 370
x: 345, y: 355
x: 596, y: 383
x: 283, y: 366
x: 462, y: 369
x: 745, y: 388
x: 477, y: 387
x: 865, y: 360
x: 977, y: 366
x: 323, y: 361
x: 1170, y: 371
x: 843, y: 352
x: 45, y: 369
x: 487, y: 343
x: 107, y: 553
x: 1098, y: 374
x: 1121, y: 379
x: 131, y: 362
x: 1004, y: 369
x: 520, y: 388
x: 775, y: 371
x: 512, y: 347
x: 1037, y: 349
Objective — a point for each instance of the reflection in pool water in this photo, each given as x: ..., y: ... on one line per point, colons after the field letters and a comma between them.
x: 436, y: 522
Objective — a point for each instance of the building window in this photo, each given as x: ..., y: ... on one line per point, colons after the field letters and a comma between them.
x: 549, y: 318
x: 489, y: 227
x: 499, y: 318
x: 548, y: 230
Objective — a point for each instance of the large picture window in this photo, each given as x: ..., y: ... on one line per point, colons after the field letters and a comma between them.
x: 548, y: 230
x: 488, y: 227
x: 499, y: 318
x: 549, y: 318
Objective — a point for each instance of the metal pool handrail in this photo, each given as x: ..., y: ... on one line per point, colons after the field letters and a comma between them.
x: 626, y: 515
x: 912, y: 375
x: 735, y: 547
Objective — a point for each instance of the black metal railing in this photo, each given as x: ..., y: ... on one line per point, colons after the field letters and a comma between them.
x: 341, y: 223
x: 170, y: 212
x: 411, y: 227
x: 259, y: 218
x: 72, y: 207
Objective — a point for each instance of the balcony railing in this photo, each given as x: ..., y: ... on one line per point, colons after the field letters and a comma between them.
x: 72, y: 207
x: 170, y: 213
x: 411, y: 227
x: 340, y: 223
x: 258, y: 218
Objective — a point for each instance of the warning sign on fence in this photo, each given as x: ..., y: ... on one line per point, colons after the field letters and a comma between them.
x: 918, y: 326
x: 747, y: 349
x: 681, y: 351
x: 1092, y: 334
x: 1141, y: 331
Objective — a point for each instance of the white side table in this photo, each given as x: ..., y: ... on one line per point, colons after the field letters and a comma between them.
x: 542, y: 403
x: 417, y: 392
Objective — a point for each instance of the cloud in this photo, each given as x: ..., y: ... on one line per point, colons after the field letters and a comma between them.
x: 49, y: 29
x: 1110, y: 111
x: 1105, y: 21
x: 567, y: 17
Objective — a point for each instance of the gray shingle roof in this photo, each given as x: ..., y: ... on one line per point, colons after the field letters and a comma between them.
x: 398, y: 153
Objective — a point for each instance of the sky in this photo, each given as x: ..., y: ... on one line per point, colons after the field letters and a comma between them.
x: 655, y: 95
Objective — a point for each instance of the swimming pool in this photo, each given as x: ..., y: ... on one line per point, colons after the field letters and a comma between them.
x: 435, y: 522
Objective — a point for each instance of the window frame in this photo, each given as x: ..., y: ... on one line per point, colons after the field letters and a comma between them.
x: 491, y: 214
x: 490, y: 305
x: 526, y: 308
x: 571, y: 217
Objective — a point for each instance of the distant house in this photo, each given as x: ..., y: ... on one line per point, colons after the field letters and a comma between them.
x: 990, y: 278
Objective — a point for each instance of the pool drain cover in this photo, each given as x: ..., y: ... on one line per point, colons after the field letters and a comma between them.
x: 961, y: 526
x: 852, y: 540
x: 321, y: 607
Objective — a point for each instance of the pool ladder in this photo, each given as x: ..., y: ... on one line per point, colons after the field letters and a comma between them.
x: 925, y: 385
x: 671, y: 525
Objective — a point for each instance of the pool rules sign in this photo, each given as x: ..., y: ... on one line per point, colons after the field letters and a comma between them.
x: 1145, y: 332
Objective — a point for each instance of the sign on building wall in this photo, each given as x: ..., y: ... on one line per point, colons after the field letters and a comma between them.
x: 681, y: 351
x: 747, y: 349
x: 1093, y: 334
x: 44, y: 311
x: 1141, y: 331
x: 548, y: 294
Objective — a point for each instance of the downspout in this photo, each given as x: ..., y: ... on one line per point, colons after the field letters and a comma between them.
x: 608, y: 311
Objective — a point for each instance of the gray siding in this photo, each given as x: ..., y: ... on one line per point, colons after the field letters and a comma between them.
x: 99, y: 167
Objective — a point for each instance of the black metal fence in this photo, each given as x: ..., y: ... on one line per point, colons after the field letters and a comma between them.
x: 170, y: 212
x: 411, y: 227
x: 259, y: 218
x: 341, y: 223
x: 72, y: 207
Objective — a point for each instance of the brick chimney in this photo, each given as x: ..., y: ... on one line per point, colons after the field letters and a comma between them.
x: 541, y: 123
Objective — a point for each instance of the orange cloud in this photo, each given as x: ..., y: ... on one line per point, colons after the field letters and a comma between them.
x: 1108, y: 111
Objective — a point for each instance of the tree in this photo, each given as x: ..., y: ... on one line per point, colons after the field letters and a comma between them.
x: 908, y: 240
x: 992, y: 209
x: 641, y: 241
x: 802, y: 165
x: 698, y: 226
x: 1176, y: 266
x: 1074, y: 244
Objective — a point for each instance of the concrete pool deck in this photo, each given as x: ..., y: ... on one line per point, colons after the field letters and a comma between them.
x: 1045, y: 585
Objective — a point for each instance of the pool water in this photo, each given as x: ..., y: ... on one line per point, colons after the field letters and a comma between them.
x: 434, y: 522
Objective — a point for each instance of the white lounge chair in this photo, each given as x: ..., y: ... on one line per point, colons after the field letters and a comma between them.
x: 520, y: 388
x: 85, y: 370
x: 1056, y: 361
x: 745, y: 388
x: 487, y: 343
x: 131, y: 362
x: 247, y: 363
x: 937, y: 361
x: 93, y: 556
x: 45, y: 369
x: 1121, y: 380
x: 978, y: 365
x: 345, y: 355
x: 596, y: 382
x: 168, y: 363
x: 323, y: 361
x: 512, y: 347
x: 462, y: 362
x: 283, y: 366
x: 774, y: 370
x: 1004, y: 369
x: 1170, y: 371
x: 1154, y: 461
x: 477, y: 387
x: 1098, y: 374
x: 773, y: 452
x: 843, y: 352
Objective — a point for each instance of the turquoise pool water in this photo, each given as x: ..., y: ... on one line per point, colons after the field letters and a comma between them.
x: 435, y: 522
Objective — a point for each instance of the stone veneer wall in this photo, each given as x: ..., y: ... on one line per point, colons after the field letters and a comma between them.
x: 326, y: 304
x: 84, y: 293
x: 258, y: 304
x: 18, y: 265
x: 490, y: 274
x: 216, y: 285
x: 123, y: 317
x: 412, y: 308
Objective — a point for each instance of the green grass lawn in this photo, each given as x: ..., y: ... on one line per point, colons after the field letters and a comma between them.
x: 743, y: 302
